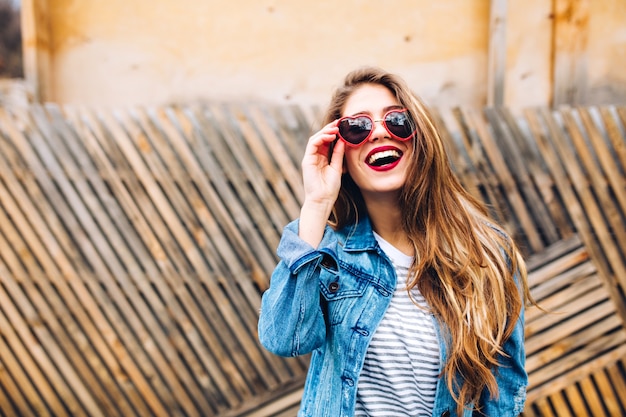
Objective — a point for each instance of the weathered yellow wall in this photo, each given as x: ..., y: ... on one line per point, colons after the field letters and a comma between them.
x: 606, y: 51
x: 128, y: 51
x: 122, y: 52
x: 528, y: 80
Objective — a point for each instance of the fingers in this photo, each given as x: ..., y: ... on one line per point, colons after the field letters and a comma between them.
x: 322, y: 165
x: 336, y: 159
x: 321, y: 140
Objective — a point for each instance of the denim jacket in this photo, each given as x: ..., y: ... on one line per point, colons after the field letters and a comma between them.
x: 329, y: 301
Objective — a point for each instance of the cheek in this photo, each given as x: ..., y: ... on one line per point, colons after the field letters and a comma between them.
x: 350, y: 160
x: 409, y: 159
x: 410, y: 152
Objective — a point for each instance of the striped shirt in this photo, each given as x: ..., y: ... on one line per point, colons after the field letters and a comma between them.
x: 400, y: 373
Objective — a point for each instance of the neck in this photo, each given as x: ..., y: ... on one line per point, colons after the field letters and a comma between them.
x: 386, y: 218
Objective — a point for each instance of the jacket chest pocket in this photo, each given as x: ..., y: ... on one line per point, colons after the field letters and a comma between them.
x: 341, y: 293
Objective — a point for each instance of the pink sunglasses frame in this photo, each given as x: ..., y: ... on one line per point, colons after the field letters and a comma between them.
x: 372, y: 130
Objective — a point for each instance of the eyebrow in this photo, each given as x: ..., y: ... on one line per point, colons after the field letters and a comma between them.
x: 385, y: 110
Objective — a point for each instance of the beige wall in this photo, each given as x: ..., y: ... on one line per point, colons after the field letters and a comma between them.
x: 123, y: 52
x: 606, y: 51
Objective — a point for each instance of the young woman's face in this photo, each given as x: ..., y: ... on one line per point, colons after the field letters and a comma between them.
x: 379, y: 166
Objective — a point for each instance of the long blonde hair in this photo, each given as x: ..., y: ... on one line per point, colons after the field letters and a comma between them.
x: 469, y: 271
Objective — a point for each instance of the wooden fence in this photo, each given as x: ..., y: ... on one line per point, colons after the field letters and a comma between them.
x: 135, y: 245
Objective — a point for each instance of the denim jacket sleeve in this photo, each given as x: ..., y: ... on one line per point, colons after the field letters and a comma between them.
x: 291, y: 322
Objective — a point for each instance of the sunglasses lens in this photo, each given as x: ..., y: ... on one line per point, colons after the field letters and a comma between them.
x: 399, y: 124
x: 355, y: 130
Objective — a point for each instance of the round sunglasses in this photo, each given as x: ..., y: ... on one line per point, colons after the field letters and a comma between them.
x: 355, y: 130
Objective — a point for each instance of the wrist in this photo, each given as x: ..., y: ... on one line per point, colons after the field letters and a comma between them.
x: 317, y: 211
x: 313, y: 219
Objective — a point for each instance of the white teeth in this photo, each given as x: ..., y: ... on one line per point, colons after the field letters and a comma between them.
x: 392, y: 153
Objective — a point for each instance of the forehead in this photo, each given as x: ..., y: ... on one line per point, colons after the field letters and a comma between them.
x: 370, y: 98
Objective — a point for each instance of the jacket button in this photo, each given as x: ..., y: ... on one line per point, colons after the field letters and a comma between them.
x: 333, y: 286
x: 383, y: 292
x: 445, y: 413
x: 328, y: 263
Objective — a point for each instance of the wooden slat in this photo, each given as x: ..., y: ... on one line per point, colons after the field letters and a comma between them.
x: 153, y: 176
x: 37, y: 363
x: 560, y: 405
x: 215, y: 124
x: 295, y: 124
x: 573, y: 375
x: 581, y: 206
x: 202, y: 140
x: 611, y: 123
x: 228, y: 263
x: 503, y: 171
x: 269, y: 167
x: 231, y: 244
x: 161, y: 274
x: 600, y: 318
x: 586, y: 177
x: 73, y: 198
x: 614, y: 184
x: 166, y: 330
x: 12, y: 399
x: 591, y: 397
x: 580, y: 331
x: 515, y: 161
x: 543, y: 131
x: 47, y: 252
x: 48, y: 331
x: 458, y: 137
x: 606, y: 395
x: 248, y: 166
x: 572, y: 350
x: 617, y: 380
x: 566, y: 303
x: 576, y: 401
x: 544, y: 407
x: 140, y: 316
x: 289, y: 172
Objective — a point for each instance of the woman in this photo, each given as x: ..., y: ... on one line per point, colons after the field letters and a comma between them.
x: 409, y: 297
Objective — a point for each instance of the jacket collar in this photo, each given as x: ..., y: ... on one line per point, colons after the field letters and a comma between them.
x: 359, y: 236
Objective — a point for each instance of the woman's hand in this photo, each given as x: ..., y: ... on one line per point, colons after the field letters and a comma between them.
x: 322, y: 180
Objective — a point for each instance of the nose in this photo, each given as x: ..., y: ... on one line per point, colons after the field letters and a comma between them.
x: 379, y: 131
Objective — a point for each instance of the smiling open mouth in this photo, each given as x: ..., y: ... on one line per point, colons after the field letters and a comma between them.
x: 383, y: 158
